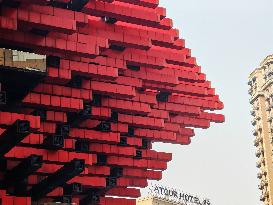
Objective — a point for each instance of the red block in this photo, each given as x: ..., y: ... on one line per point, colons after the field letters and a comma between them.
x: 109, y: 91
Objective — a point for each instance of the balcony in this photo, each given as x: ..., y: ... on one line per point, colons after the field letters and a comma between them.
x: 263, y: 184
x: 259, y: 152
x: 259, y: 175
x: 263, y: 161
x: 262, y: 198
x: 257, y: 140
x: 269, y: 73
x: 250, y: 91
x: 253, y: 122
x: 260, y: 186
x: 256, y: 143
x: 252, y: 112
x: 264, y: 195
x: 263, y: 171
x: 254, y: 132
x: 258, y: 164
x: 249, y: 82
x: 258, y: 117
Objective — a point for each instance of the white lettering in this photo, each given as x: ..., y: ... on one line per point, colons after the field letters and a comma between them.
x: 177, y: 196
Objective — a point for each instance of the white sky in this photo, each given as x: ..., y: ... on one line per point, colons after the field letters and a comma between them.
x: 229, y: 38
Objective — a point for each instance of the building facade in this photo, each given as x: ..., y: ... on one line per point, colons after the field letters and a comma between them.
x: 161, y: 195
x: 86, y: 87
x: 261, y: 91
x: 152, y: 200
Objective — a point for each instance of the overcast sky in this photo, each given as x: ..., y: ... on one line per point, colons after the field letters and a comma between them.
x: 229, y: 38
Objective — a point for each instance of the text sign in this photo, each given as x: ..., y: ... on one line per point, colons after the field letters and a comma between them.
x: 176, y: 196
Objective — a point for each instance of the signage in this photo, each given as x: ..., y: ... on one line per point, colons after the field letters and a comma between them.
x: 176, y: 196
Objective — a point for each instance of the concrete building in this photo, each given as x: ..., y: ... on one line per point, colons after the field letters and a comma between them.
x: 261, y: 91
x: 152, y: 200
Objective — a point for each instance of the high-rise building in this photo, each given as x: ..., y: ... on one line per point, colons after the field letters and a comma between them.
x: 261, y: 91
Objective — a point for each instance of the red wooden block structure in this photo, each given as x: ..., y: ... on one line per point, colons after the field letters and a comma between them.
x: 86, y: 87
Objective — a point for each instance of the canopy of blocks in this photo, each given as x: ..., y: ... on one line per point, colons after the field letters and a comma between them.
x: 86, y: 87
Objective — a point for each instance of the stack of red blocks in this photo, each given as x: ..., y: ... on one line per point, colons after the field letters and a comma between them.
x: 121, y: 80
